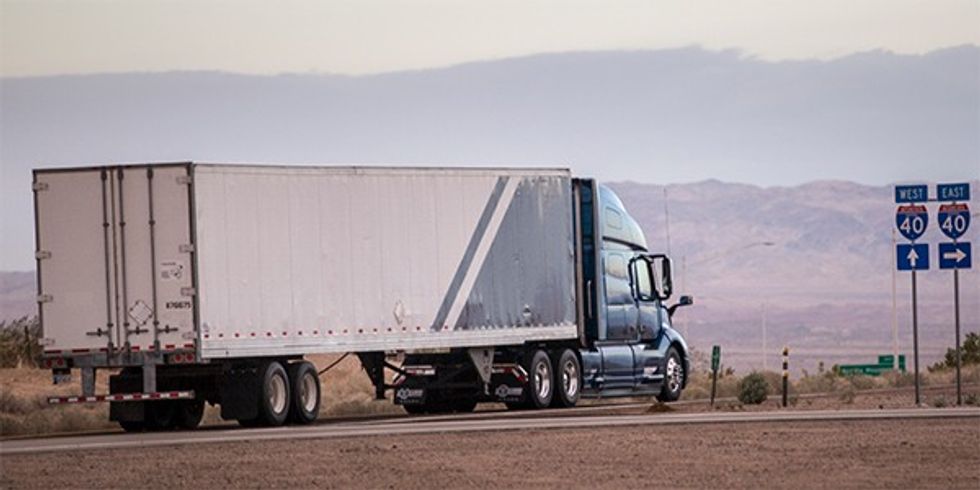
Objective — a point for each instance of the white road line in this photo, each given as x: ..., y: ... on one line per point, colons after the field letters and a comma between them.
x: 423, y: 426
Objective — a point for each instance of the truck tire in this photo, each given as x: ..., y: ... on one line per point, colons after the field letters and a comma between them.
x: 161, y: 415
x: 273, y: 395
x: 189, y: 413
x: 305, y: 387
x: 673, y: 377
x: 568, y: 380
x: 541, y: 380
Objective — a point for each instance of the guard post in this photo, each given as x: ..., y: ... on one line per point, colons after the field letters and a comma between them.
x: 785, y: 375
x: 715, y: 364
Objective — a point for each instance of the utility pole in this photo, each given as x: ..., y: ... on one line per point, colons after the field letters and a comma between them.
x: 894, y: 304
x: 765, y: 340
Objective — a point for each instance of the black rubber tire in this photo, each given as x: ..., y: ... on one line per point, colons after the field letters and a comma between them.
x: 567, y: 392
x: 539, y: 371
x: 272, y: 374
x: 298, y: 413
x: 189, y: 413
x: 161, y: 415
x: 250, y: 422
x: 671, y: 390
x: 130, y: 426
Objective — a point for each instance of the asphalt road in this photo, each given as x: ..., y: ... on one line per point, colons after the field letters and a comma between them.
x: 457, y: 423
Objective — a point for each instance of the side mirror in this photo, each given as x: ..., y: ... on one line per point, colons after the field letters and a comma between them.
x: 684, y: 301
x: 663, y: 281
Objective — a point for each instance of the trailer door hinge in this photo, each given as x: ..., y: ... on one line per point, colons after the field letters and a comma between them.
x: 188, y: 291
x: 42, y: 254
x: 45, y: 298
x: 184, y: 179
x: 40, y: 186
x: 186, y: 248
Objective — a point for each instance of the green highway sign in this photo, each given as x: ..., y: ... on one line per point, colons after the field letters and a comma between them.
x: 715, y: 357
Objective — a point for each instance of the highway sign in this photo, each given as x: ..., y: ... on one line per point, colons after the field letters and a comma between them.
x: 715, y: 357
x: 953, y: 192
x: 911, y: 193
x: 913, y: 256
x: 954, y: 219
x: 955, y: 255
x: 912, y: 220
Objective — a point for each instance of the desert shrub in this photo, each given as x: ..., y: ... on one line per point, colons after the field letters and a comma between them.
x: 969, y: 353
x: 862, y: 382
x: 972, y: 399
x: 753, y: 389
x: 940, y: 402
x: 19, y: 342
x: 847, y: 394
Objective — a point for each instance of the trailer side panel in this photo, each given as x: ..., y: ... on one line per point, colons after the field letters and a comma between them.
x: 301, y: 260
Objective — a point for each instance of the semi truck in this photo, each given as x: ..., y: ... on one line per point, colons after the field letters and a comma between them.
x: 213, y: 284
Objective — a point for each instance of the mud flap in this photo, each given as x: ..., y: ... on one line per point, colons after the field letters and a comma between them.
x: 240, y: 389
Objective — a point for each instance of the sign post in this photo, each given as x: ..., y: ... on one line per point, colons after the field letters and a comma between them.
x: 715, y: 364
x: 912, y: 220
x: 954, y: 220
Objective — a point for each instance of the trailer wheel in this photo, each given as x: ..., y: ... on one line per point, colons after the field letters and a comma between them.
x: 161, y: 415
x: 274, y: 395
x: 305, y: 386
x: 190, y: 413
x: 541, y: 380
x: 568, y: 380
x: 673, y: 377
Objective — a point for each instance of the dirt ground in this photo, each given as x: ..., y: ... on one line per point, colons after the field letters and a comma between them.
x: 943, y: 453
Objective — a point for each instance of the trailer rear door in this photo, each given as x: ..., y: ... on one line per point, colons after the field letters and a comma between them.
x: 114, y: 256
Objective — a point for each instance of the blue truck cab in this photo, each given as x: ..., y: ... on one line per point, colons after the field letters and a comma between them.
x: 629, y: 346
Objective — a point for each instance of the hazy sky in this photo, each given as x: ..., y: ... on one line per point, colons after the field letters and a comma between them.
x: 41, y: 37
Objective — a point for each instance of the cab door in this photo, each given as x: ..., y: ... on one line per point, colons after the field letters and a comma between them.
x: 646, y: 360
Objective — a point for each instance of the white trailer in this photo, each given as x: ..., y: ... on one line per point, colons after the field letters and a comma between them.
x: 209, y: 282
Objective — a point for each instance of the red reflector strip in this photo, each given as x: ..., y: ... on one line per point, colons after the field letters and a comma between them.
x: 123, y: 397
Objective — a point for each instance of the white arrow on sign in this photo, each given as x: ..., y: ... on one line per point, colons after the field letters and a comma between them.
x: 913, y: 257
x: 956, y: 255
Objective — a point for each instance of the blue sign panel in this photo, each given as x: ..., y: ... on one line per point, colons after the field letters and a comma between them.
x: 954, y: 219
x: 913, y: 256
x: 955, y: 255
x: 912, y: 220
x: 952, y: 192
x: 911, y: 193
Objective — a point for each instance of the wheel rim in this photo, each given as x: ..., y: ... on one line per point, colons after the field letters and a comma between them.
x: 308, y: 393
x: 277, y: 394
x: 675, y: 374
x: 569, y: 379
x: 542, y: 379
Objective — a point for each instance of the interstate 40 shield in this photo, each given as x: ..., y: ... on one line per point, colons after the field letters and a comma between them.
x: 912, y: 220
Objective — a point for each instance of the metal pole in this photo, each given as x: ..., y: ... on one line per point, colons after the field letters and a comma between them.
x: 714, y: 384
x: 894, y: 302
x: 956, y: 307
x: 765, y: 341
x: 785, y: 375
x: 915, y: 338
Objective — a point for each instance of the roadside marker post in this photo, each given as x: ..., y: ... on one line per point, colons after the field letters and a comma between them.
x: 954, y: 220
x: 785, y: 375
x: 715, y: 364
